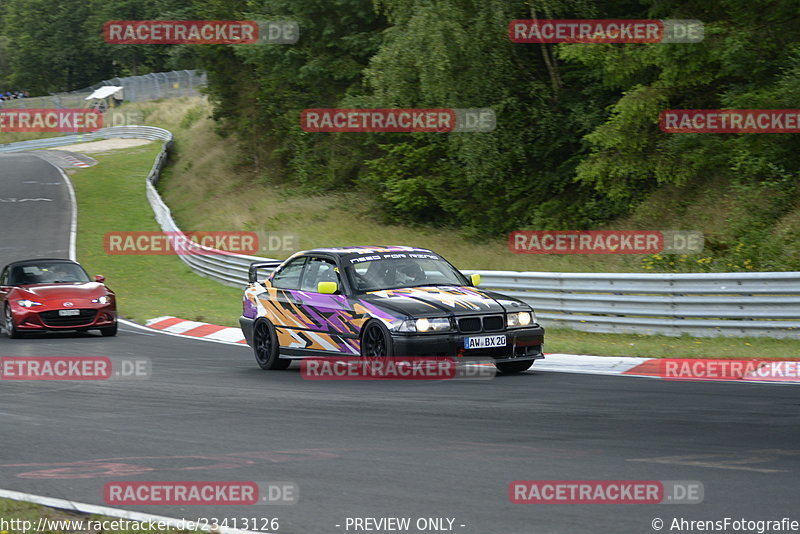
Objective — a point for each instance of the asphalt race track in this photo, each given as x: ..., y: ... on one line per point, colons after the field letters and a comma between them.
x: 375, y: 449
x: 35, y: 209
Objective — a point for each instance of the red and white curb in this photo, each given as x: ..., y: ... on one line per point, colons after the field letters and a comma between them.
x: 749, y: 371
x: 592, y: 365
x: 771, y: 372
x: 75, y: 162
x: 196, y: 329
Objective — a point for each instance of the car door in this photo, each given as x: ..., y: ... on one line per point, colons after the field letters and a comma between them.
x: 333, y: 327
x: 280, y: 302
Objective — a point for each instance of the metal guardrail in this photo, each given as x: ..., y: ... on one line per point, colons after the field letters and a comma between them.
x: 142, y: 88
x: 227, y: 268
x: 134, y: 132
x: 704, y: 304
x: 708, y: 304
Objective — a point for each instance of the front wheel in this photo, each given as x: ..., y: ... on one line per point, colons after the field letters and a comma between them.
x: 109, y: 331
x: 510, y: 368
x: 265, y: 346
x: 8, y: 324
x: 376, y: 341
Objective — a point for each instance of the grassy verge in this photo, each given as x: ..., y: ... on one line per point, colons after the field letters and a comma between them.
x: 14, y: 137
x: 68, y: 522
x: 111, y: 197
x: 575, y: 342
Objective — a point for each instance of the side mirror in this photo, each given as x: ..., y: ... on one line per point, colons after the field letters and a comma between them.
x: 99, y: 278
x: 327, y: 288
x: 475, y: 279
x: 252, y: 271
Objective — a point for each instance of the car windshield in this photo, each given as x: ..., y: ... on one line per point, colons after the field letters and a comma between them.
x: 48, y: 273
x: 398, y: 270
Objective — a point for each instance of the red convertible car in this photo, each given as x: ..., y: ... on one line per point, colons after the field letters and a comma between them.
x: 54, y: 295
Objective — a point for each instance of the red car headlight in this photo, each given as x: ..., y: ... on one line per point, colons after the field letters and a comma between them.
x: 28, y: 303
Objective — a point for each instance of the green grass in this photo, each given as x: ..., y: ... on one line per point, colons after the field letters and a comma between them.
x: 24, y: 511
x: 14, y: 137
x: 574, y: 342
x: 111, y: 197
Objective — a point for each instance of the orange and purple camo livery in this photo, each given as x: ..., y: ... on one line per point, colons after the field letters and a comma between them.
x: 382, y: 302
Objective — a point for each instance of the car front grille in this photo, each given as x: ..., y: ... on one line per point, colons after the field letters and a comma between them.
x: 488, y: 323
x: 493, y: 323
x: 52, y: 318
x: 470, y: 324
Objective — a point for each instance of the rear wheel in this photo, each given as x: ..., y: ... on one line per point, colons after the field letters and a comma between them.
x: 265, y: 347
x: 510, y: 368
x: 376, y: 341
x: 109, y: 331
x: 8, y: 324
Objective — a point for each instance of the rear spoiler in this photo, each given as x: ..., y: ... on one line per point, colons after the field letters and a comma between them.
x: 252, y: 271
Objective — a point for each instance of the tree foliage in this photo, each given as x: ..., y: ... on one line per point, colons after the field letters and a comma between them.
x: 577, y: 142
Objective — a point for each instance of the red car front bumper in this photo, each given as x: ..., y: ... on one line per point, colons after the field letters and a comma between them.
x: 83, y: 315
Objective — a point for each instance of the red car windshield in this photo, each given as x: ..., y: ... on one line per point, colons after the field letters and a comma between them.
x: 48, y: 273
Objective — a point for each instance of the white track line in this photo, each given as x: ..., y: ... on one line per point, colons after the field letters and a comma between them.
x: 85, y: 508
x: 73, y: 225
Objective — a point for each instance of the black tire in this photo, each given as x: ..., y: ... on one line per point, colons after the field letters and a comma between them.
x: 109, y: 331
x: 8, y: 324
x: 510, y: 368
x: 265, y: 347
x: 376, y: 342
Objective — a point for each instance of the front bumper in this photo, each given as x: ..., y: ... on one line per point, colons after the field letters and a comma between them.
x: 47, y: 318
x: 246, y: 324
x: 521, y: 344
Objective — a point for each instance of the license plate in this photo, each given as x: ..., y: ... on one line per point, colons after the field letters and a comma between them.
x: 67, y: 313
x: 484, y: 342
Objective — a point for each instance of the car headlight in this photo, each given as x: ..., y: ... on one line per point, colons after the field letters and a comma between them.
x: 435, y: 324
x: 105, y: 299
x: 28, y: 303
x: 520, y: 319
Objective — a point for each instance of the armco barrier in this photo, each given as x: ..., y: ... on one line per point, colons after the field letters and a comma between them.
x: 703, y: 304
x: 136, y: 132
x: 173, y: 84
x: 708, y: 304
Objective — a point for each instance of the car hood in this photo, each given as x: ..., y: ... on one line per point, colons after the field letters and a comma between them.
x: 61, y: 291
x: 434, y: 300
